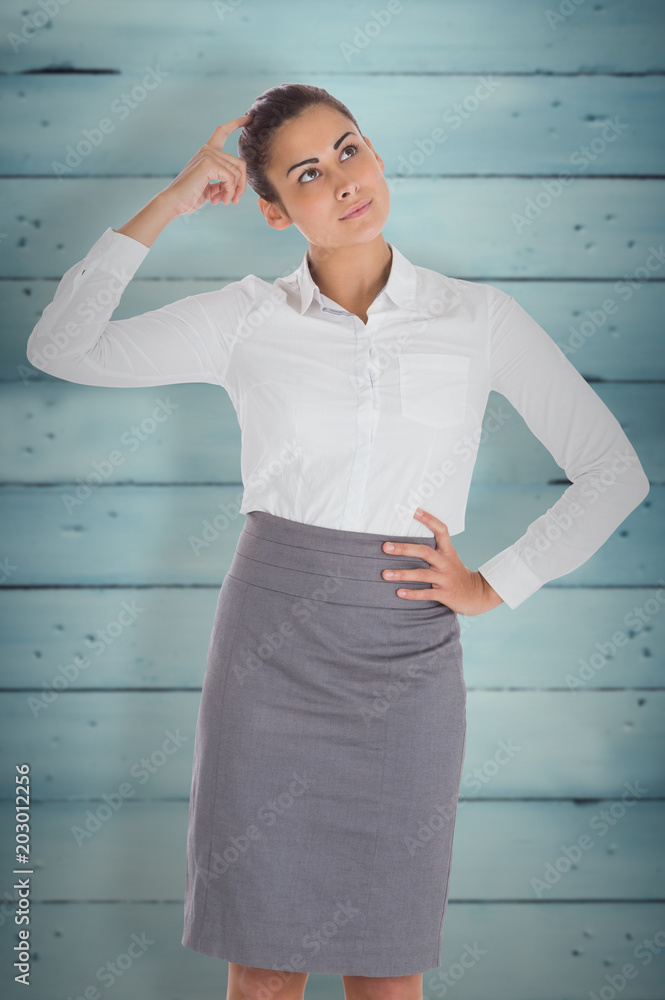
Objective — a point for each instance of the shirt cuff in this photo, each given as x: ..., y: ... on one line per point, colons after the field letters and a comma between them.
x: 115, y: 252
x: 511, y: 578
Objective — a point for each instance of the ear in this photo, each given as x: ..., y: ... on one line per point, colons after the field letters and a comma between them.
x: 274, y: 215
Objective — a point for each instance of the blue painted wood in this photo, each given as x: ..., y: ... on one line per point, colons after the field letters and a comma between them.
x: 423, y: 36
x: 63, y: 432
x: 609, y: 329
x: 565, y: 950
x: 467, y: 227
x: 503, y: 124
x: 568, y: 639
x: 561, y: 80
x: 131, y: 535
x: 572, y: 744
x: 621, y: 846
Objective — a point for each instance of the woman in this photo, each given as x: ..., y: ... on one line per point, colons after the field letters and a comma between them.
x: 331, y: 732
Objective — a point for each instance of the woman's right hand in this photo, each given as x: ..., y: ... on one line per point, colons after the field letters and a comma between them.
x: 211, y: 174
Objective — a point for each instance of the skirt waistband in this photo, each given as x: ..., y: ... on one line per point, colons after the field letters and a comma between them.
x: 330, y: 564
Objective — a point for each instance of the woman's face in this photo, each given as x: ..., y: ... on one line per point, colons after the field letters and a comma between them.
x: 317, y: 195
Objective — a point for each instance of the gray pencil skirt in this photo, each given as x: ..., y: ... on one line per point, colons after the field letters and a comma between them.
x: 327, y: 761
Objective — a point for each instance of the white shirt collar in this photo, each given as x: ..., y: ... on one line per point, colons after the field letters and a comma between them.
x: 400, y: 286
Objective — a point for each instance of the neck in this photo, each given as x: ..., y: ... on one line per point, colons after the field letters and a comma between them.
x: 351, y: 276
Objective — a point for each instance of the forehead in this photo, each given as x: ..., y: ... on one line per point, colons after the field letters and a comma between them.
x: 310, y: 134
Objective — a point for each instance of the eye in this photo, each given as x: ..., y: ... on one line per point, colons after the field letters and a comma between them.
x: 310, y: 170
x: 305, y: 172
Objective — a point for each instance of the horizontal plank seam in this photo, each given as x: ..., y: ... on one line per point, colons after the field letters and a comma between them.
x: 410, y: 177
x: 506, y: 689
x: 105, y: 71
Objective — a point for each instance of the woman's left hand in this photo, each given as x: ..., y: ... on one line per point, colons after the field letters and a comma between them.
x: 463, y: 590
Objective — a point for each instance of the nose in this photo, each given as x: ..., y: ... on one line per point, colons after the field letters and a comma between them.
x: 346, y: 191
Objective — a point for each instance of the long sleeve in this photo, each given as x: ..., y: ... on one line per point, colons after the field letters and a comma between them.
x: 76, y: 340
x: 584, y: 438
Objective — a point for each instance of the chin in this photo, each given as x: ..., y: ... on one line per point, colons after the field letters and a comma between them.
x: 338, y: 235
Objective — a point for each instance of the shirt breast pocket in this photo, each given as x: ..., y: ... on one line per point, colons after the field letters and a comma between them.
x: 433, y: 388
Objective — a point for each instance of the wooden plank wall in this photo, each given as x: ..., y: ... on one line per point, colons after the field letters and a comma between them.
x: 558, y: 75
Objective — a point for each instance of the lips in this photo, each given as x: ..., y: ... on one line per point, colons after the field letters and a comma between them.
x: 356, y: 207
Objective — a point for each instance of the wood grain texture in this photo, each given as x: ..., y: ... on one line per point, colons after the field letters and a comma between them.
x: 489, y: 123
x: 578, y: 638
x: 593, y: 742
x: 426, y: 36
x: 526, y: 836
x: 574, y: 678
x: 624, y: 344
x: 188, y: 433
x: 503, y: 950
x: 595, y: 228
x: 131, y: 535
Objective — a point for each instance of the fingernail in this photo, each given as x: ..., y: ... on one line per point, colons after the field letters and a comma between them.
x: 419, y: 512
x: 389, y: 547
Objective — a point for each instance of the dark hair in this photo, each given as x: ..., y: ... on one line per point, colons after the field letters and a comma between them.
x: 270, y: 110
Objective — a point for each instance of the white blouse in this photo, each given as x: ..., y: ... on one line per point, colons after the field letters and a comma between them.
x: 351, y: 425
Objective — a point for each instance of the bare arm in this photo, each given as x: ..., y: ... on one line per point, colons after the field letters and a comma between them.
x: 154, y: 217
x: 193, y: 186
x: 76, y: 339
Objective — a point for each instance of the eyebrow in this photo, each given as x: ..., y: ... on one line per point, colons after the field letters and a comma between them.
x: 315, y: 159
